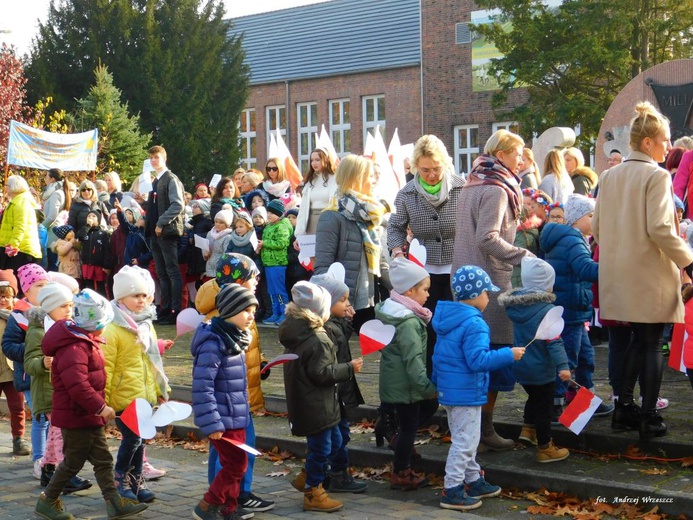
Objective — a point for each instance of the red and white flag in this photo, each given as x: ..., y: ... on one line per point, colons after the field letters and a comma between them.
x: 417, y: 253
x: 374, y: 336
x: 138, y: 417
x: 580, y: 410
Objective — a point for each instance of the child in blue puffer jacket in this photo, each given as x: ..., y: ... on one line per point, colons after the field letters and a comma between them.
x: 536, y: 371
x: 566, y: 250
x: 220, y: 395
x: 462, y: 360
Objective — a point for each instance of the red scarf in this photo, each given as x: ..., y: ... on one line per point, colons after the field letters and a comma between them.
x: 489, y: 170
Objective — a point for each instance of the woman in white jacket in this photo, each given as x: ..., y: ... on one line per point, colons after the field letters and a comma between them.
x: 319, y: 188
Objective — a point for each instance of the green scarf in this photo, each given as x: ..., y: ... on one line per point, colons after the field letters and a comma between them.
x: 431, y: 189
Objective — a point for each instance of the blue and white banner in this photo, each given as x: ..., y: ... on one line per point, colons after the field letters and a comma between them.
x: 43, y: 150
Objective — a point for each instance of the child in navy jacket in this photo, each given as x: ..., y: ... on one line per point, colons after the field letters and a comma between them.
x: 566, y: 250
x: 462, y: 360
x: 536, y: 371
x: 220, y: 395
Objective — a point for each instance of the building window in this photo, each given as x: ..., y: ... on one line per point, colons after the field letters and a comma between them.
x: 248, y: 138
x: 511, y: 126
x: 307, y: 130
x: 340, y: 126
x: 276, y: 118
x: 466, y: 147
x: 373, y: 115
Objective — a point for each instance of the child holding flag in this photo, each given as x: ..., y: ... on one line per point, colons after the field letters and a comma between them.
x: 462, y: 360
x: 536, y: 371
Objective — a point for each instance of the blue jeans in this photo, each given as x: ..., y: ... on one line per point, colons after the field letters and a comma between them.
x: 321, y: 450
x: 340, y: 461
x: 580, y: 354
x: 131, y: 451
x: 214, y: 465
x: 39, y: 431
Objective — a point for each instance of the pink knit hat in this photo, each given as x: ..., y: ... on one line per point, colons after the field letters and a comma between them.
x: 29, y: 274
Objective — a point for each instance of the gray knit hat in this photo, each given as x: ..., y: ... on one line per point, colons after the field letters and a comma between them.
x: 405, y: 274
x: 537, y: 274
x: 53, y: 295
x: 92, y: 311
x: 576, y: 207
x: 233, y: 299
x: 309, y: 296
x: 203, y: 204
x: 336, y: 288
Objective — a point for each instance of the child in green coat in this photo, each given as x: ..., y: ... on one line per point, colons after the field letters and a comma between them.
x: 276, y: 239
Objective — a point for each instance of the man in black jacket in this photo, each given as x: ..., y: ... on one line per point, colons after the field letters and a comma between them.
x: 164, y: 226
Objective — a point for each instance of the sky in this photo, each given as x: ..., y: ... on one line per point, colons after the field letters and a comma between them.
x: 18, y: 24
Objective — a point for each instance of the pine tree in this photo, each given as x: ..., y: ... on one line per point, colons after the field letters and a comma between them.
x: 122, y: 146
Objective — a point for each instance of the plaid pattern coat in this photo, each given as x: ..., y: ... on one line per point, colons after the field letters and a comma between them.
x: 484, y: 237
x: 433, y: 227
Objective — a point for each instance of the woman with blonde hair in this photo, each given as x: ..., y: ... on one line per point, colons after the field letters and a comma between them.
x: 573, y: 159
x: 530, y: 175
x: 556, y: 182
x: 487, y: 215
x: 319, y: 187
x: 348, y: 232
x: 114, y: 187
x: 19, y: 239
x: 275, y: 182
x: 640, y: 260
x: 82, y: 204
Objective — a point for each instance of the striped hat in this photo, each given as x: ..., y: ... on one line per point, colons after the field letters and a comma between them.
x: 233, y: 299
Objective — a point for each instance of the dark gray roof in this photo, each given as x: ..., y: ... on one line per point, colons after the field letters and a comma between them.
x: 331, y: 38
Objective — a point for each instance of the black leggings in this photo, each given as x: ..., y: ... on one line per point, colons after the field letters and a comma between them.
x: 643, y: 359
x: 538, y: 410
x: 411, y: 416
x: 440, y: 290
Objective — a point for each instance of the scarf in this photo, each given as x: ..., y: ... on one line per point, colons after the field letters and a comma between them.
x: 235, y: 340
x: 140, y: 324
x: 421, y: 312
x: 241, y: 241
x: 437, y: 198
x: 50, y: 189
x: 490, y: 171
x: 276, y: 189
x: 367, y: 213
x: 215, y: 235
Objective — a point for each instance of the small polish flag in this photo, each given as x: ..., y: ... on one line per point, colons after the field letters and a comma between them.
x: 678, y: 340
x: 374, y: 336
x: 417, y: 253
x: 282, y: 358
x: 580, y: 410
x: 138, y: 417
x: 243, y: 446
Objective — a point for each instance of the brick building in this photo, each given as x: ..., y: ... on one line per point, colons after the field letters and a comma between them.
x: 355, y: 64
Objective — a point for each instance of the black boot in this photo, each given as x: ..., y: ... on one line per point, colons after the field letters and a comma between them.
x: 46, y: 473
x: 651, y: 425
x: 385, y: 427
x: 626, y: 416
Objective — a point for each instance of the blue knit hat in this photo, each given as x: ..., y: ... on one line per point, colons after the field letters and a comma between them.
x: 62, y: 231
x: 92, y: 311
x: 276, y: 206
x: 469, y: 281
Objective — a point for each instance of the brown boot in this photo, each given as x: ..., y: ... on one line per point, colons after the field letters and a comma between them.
x: 490, y: 438
x: 528, y: 435
x: 407, y: 480
x: 316, y: 499
x: 551, y: 453
x: 300, y: 481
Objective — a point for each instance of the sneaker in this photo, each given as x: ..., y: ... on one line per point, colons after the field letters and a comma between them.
x: 344, y: 482
x: 205, y: 511
x: 528, y: 435
x: 121, y: 507
x: 604, y: 409
x: 255, y: 503
x: 551, y: 453
x: 407, y: 480
x: 149, y: 472
x: 75, y: 484
x: 482, y: 489
x: 20, y: 447
x: 38, y: 464
x: 239, y: 514
x: 51, y: 509
x: 662, y: 403
x: 457, y: 498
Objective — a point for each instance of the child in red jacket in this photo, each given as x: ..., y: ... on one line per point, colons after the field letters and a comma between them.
x: 79, y: 407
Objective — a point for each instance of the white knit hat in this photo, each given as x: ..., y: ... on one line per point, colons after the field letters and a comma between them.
x: 225, y: 215
x: 53, y: 295
x: 405, y: 274
x: 537, y: 274
x: 312, y: 297
x: 129, y: 281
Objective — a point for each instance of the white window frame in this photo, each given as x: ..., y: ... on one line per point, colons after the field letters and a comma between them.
x: 341, y: 127
x: 465, y: 149
x: 370, y: 125
x: 511, y: 126
x: 246, y: 138
x: 277, y: 112
x: 310, y: 130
